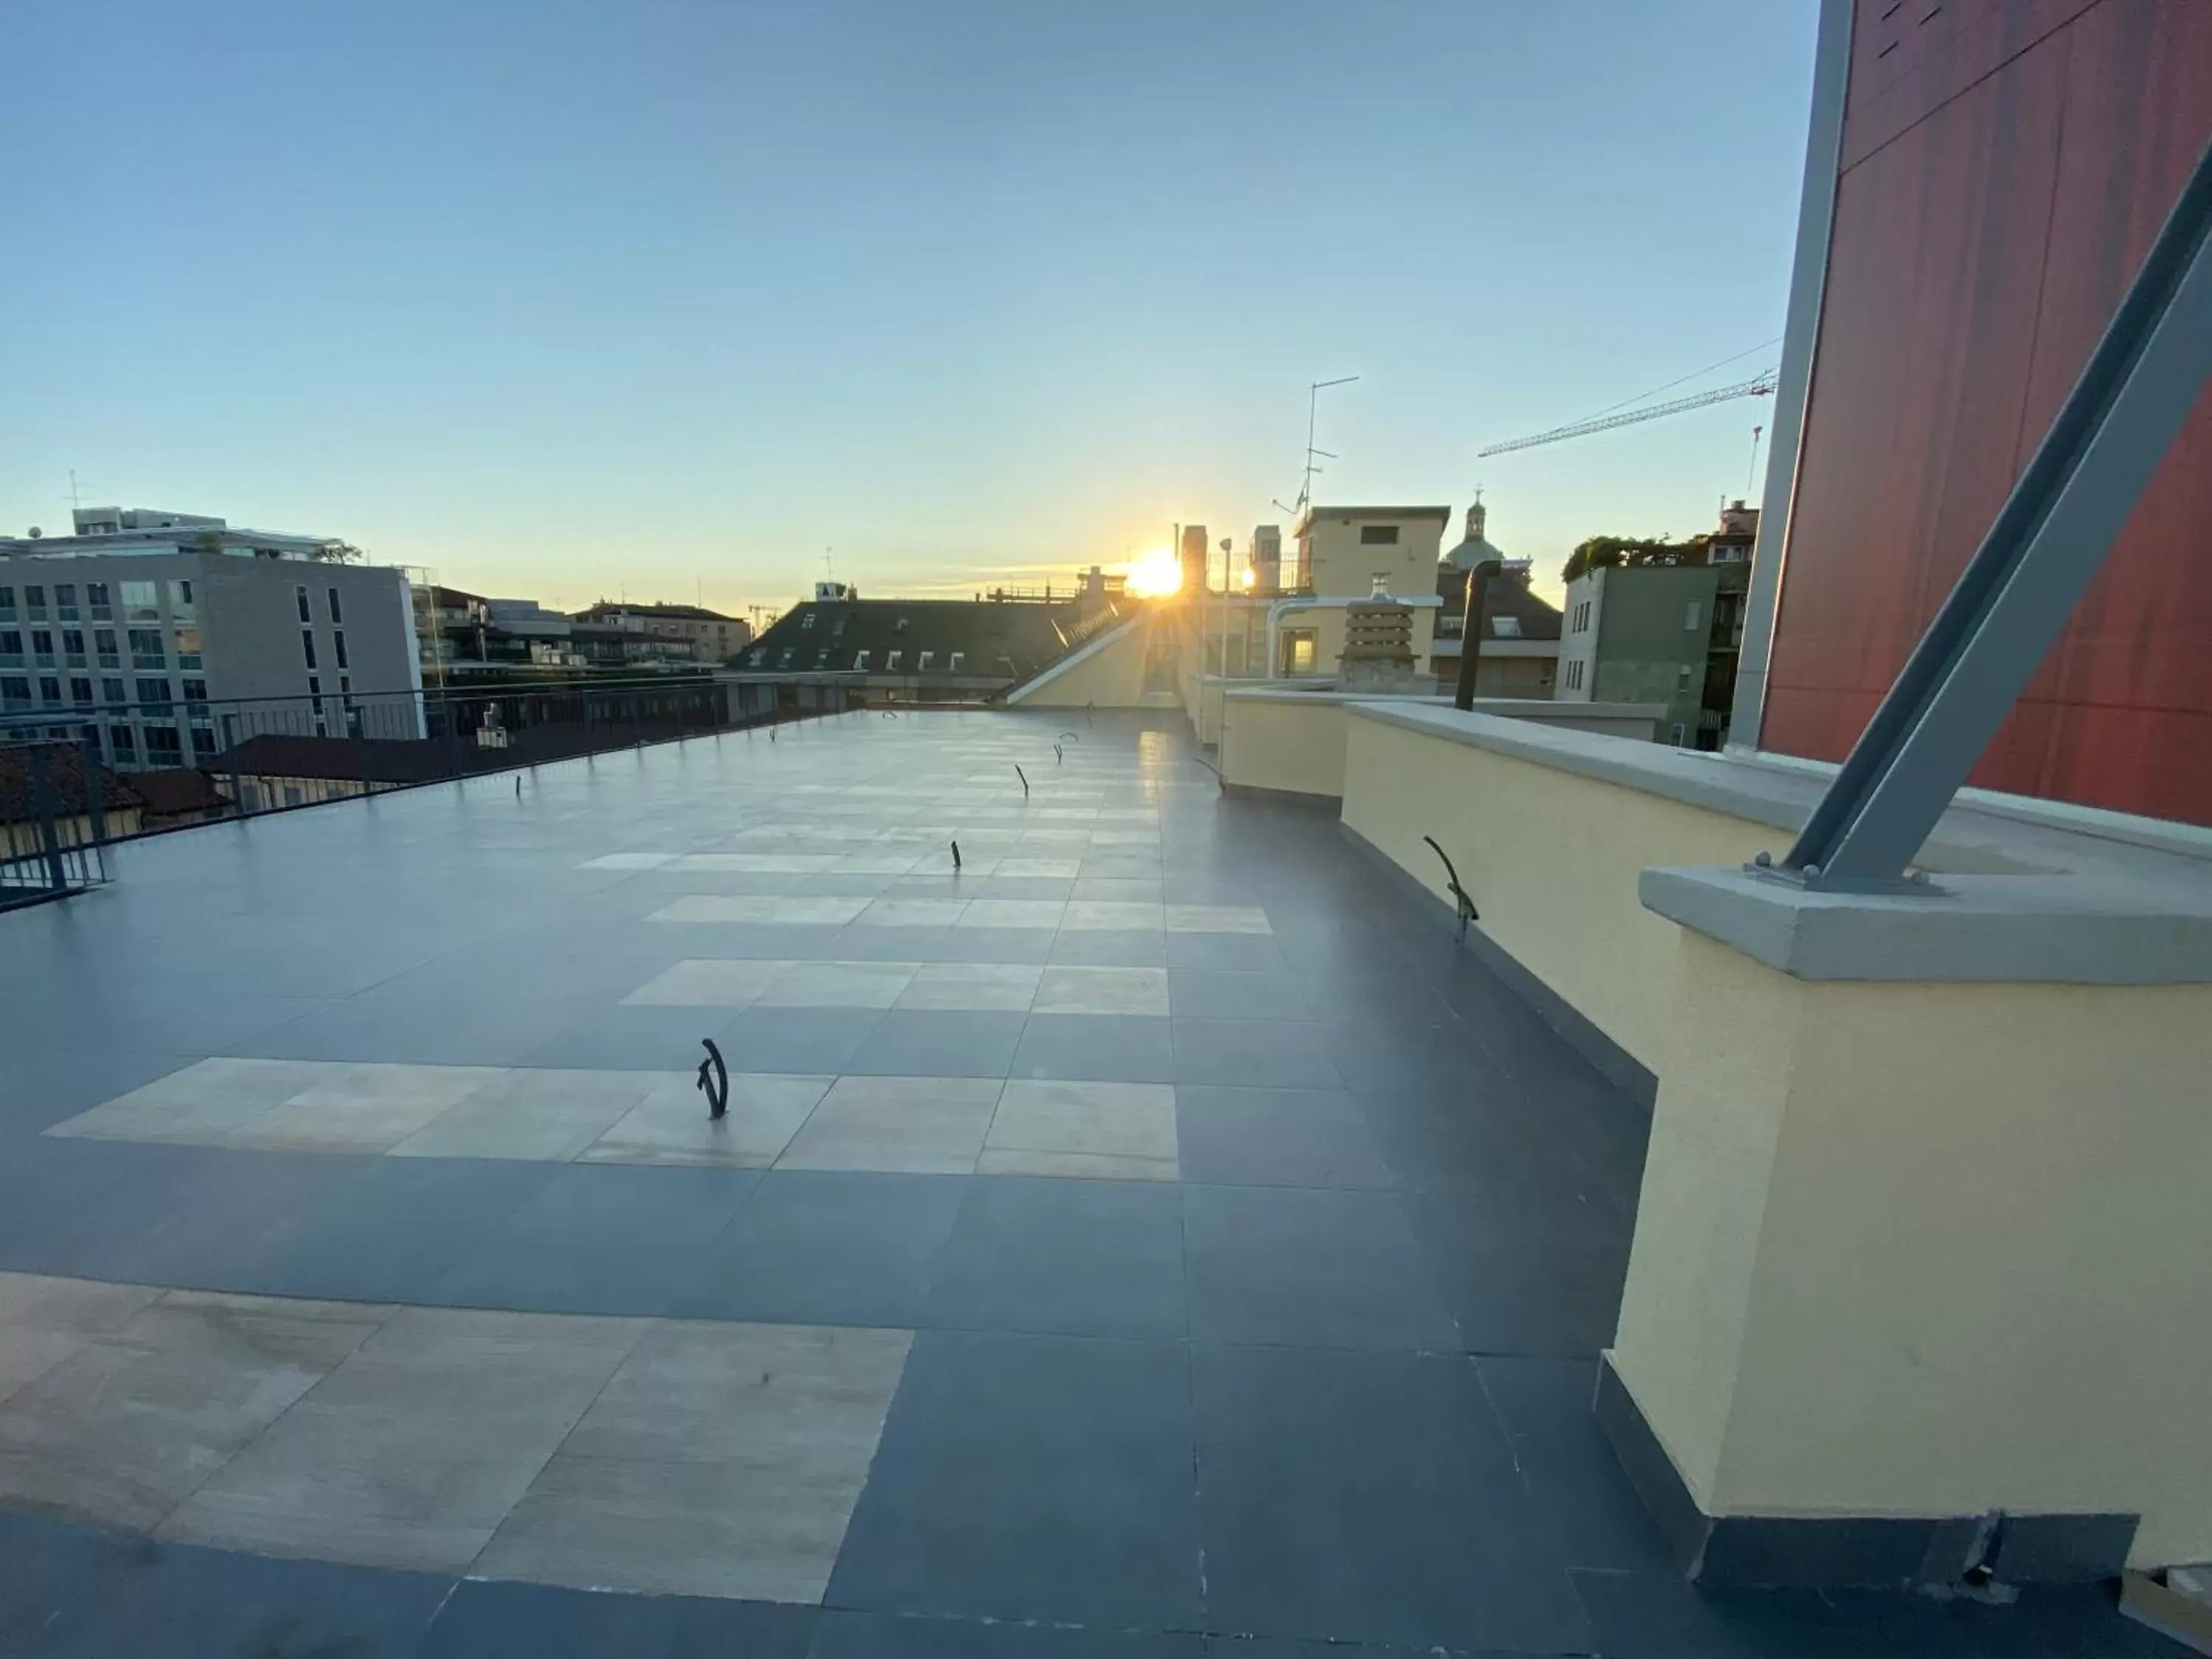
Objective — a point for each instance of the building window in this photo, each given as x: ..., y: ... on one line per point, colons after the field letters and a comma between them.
x: 953, y: 666
x: 203, y: 743
x: 103, y: 641
x: 42, y: 646
x: 922, y: 662
x: 1378, y: 535
x: 822, y: 658
x: 163, y: 746
x: 315, y: 694
x: 196, y: 691
x: 300, y: 599
x: 784, y: 662
x: 1693, y: 614
x: 155, y: 693
x: 73, y: 647
x: 1676, y: 735
x: 1505, y: 627
x: 15, y: 690
x: 754, y: 658
x: 860, y: 661
x: 308, y: 643
x: 111, y: 691
x: 122, y: 742
x: 50, y: 688
x: 336, y: 618
x: 147, y: 650
x: 891, y: 662
x: 95, y: 594
x: 806, y: 623
x: 188, y: 647
x: 337, y: 644
x: 180, y: 598
x: 34, y: 601
x: 1683, y: 677
x: 142, y: 602
x: 80, y: 692
x: 11, y: 649
x: 6, y: 604
x: 65, y: 602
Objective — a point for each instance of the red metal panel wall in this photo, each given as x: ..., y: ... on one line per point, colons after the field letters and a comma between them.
x: 2006, y: 164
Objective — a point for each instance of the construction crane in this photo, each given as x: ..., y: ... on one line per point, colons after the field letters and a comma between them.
x: 1762, y: 386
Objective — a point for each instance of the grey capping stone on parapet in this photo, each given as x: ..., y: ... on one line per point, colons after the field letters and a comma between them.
x: 2041, y: 929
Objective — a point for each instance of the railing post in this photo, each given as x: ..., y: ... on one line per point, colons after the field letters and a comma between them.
x: 42, y: 816
x: 230, y: 753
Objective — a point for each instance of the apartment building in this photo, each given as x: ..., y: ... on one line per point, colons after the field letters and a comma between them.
x: 690, y: 631
x: 147, y: 629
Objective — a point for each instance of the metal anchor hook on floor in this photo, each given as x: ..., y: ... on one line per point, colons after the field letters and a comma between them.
x: 1057, y: 758
x: 1466, y: 903
x: 1024, y: 777
x: 715, y: 1080
x: 956, y: 855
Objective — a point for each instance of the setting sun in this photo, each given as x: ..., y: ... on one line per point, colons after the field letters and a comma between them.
x: 1155, y: 574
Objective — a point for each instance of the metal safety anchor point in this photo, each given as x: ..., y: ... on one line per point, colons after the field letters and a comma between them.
x: 714, y: 1081
x: 1465, y: 904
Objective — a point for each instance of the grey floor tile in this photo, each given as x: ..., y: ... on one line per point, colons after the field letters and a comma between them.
x: 1074, y: 1257
x: 1218, y: 993
x: 796, y: 1040
x: 1523, y: 1271
x: 175, y: 1602
x: 1368, y: 1498
x: 1241, y: 953
x: 1260, y: 1053
x: 1100, y: 1047
x: 938, y: 1042
x: 1327, y: 1269
x: 633, y: 1037
x: 387, y: 1232
x: 1575, y: 1482
x: 498, y: 1621
x: 1031, y: 1478
x: 1641, y: 1616
x: 600, y: 1239
x: 906, y: 1636
x: 1276, y: 1138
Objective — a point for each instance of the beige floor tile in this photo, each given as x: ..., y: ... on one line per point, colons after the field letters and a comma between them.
x: 44, y: 1321
x: 670, y: 1125
x: 1103, y: 991
x: 823, y: 911
x: 628, y: 862
x: 1079, y: 1166
x: 1046, y: 869
x: 688, y: 1476
x: 759, y: 864
x: 1069, y: 814
x: 1125, y: 838
x: 364, y: 1108
x: 124, y: 1429
x: 535, y: 1114
x: 1216, y: 919
x: 973, y: 986
x: 876, y: 863
x: 1038, y: 841
x: 411, y: 1453
x: 910, y: 912
x: 1099, y: 1120
x: 922, y: 1125
x: 202, y: 1103
x: 838, y: 985
x: 1112, y: 915
x: 709, y: 984
x: 1011, y: 913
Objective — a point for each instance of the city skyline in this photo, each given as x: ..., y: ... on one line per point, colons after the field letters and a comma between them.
x: 566, y: 306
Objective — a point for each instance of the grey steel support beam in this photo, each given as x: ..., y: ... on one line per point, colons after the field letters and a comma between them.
x: 2049, y: 541
x: 1793, y: 391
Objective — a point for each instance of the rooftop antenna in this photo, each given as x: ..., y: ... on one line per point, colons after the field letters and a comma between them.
x: 1313, y: 416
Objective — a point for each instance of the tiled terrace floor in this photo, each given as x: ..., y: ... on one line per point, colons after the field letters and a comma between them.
x: 1153, y: 1238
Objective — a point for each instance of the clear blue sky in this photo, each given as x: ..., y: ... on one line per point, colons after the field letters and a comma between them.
x: 565, y: 300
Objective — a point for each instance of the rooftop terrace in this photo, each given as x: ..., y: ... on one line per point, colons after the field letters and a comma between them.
x: 1154, y: 1236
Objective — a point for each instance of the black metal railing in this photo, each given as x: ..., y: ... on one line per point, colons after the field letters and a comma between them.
x: 54, y: 824
x: 183, y: 761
